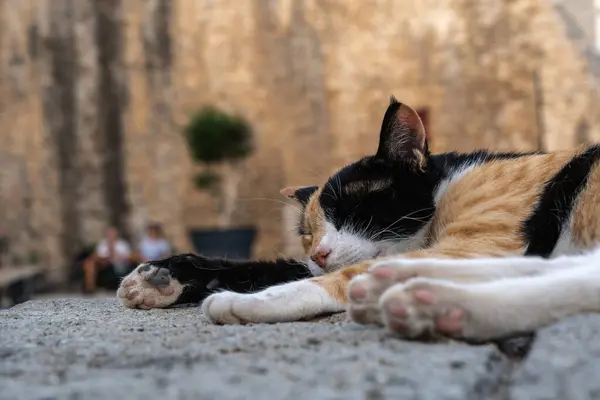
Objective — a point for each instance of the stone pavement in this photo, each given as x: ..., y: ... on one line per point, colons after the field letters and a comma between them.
x: 95, y: 349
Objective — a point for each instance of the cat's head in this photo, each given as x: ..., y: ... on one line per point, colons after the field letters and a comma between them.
x: 376, y: 206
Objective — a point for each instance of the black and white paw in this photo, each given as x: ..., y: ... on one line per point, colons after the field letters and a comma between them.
x: 149, y: 286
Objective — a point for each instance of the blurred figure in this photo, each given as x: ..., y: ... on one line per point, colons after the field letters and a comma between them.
x: 110, y: 261
x: 154, y: 245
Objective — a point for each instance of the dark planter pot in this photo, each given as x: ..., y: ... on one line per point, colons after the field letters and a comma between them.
x: 230, y: 243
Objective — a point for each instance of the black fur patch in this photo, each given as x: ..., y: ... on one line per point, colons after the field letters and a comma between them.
x: 400, y: 209
x: 304, y: 194
x: 543, y: 227
x: 453, y: 160
x: 203, y: 276
x: 393, y: 210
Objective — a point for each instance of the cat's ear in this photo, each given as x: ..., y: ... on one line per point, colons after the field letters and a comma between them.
x: 402, y: 136
x: 299, y: 193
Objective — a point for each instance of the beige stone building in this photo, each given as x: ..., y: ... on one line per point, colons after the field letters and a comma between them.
x: 94, y: 94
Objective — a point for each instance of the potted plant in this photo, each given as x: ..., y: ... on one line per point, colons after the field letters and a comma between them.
x: 219, y: 143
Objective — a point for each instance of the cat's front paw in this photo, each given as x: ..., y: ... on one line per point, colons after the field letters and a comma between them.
x: 292, y: 301
x: 149, y: 286
x: 229, y: 308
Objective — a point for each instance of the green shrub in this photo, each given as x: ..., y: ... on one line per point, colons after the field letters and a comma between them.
x: 214, y: 136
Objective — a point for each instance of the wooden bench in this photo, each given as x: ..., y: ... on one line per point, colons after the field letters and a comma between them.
x: 18, y: 283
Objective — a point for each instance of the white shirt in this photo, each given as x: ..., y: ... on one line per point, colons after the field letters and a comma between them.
x: 121, y: 249
x: 154, y: 249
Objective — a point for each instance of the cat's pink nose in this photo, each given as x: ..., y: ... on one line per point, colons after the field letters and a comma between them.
x: 320, y: 255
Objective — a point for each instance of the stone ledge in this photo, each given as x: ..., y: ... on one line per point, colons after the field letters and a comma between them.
x: 96, y: 349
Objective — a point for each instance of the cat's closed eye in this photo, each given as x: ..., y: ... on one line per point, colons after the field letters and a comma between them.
x: 307, y: 239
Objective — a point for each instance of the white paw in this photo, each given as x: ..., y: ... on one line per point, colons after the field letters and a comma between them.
x: 231, y: 308
x: 363, y: 299
x: 365, y: 290
x: 284, y: 303
x: 427, y: 307
x: 149, y: 287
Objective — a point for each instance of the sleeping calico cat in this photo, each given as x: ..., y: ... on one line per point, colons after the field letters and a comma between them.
x: 475, y: 246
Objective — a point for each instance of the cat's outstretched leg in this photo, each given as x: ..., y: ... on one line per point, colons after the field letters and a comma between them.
x: 188, y: 278
x: 299, y: 300
x: 365, y: 290
x: 304, y: 299
x: 292, y: 301
x: 283, y: 303
x: 493, y: 310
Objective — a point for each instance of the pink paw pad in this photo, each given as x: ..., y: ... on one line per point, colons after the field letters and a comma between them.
x: 383, y: 273
x: 128, y: 283
x: 396, y: 309
x: 357, y: 292
x: 424, y: 296
x: 397, y: 313
x: 450, y: 322
x: 132, y: 295
x: 148, y: 287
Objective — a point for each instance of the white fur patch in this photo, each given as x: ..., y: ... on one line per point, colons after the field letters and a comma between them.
x: 314, y: 268
x: 413, y: 242
x: 350, y: 247
x: 283, y: 303
x: 564, y: 245
x: 346, y: 247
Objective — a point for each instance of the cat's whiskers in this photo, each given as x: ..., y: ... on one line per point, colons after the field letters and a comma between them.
x: 407, y: 216
x: 332, y: 194
x: 394, y: 239
x: 319, y: 175
x: 395, y: 236
x: 357, y: 231
x: 364, y: 231
x: 417, y: 219
x: 339, y: 182
x: 275, y: 200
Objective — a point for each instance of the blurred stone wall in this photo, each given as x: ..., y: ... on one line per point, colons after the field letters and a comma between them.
x: 94, y: 94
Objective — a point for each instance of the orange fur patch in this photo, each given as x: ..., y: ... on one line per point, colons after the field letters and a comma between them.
x: 313, y: 221
x: 585, y: 221
x: 481, y: 214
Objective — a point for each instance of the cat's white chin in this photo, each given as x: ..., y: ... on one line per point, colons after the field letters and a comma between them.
x: 314, y: 268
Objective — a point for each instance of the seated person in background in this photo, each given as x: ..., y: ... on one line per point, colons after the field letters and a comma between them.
x: 111, y: 260
x: 154, y: 245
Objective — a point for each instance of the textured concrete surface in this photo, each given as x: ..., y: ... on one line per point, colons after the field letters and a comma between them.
x: 95, y: 349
